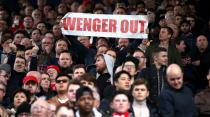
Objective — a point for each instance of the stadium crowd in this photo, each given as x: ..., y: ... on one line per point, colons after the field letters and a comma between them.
x: 44, y: 73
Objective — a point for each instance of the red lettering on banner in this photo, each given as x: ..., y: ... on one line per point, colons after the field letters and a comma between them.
x: 96, y: 25
x: 79, y: 23
x: 104, y: 25
x: 142, y: 26
x: 134, y: 26
x: 112, y: 25
x: 65, y: 26
x: 87, y: 24
x: 69, y: 23
x: 124, y: 26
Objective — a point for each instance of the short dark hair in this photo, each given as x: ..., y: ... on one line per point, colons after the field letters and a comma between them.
x: 74, y: 82
x: 81, y: 91
x: 169, y: 30
x: 27, y: 94
x: 77, y: 66
x: 118, y: 74
x: 88, y: 77
x: 185, y: 21
x: 65, y: 75
x: 123, y: 92
x: 140, y: 81
x: 178, y: 41
x: 158, y: 50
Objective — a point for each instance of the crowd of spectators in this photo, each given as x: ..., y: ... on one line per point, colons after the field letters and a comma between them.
x: 44, y: 73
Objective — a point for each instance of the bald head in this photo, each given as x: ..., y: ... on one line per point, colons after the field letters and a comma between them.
x: 174, y: 76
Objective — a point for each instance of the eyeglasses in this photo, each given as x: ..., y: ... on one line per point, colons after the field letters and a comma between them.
x: 61, y: 81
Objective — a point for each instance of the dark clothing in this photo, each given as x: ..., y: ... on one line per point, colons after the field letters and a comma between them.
x: 177, y: 103
x: 103, y: 81
x: 15, y: 82
x: 203, y: 68
x: 48, y: 94
x: 84, y: 55
x: 202, y: 102
x: 156, y: 78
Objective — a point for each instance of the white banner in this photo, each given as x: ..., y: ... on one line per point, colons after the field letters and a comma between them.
x: 103, y: 25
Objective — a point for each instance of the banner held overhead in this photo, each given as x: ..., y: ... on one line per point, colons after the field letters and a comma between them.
x: 103, y: 25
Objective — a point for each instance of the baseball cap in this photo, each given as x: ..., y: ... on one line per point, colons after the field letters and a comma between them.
x: 30, y: 78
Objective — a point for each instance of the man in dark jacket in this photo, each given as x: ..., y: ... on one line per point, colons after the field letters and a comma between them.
x: 155, y: 74
x: 176, y: 100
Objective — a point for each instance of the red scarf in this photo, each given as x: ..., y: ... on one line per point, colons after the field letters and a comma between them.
x: 126, y: 114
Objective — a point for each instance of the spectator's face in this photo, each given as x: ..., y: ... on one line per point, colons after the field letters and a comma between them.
x: 36, y: 36
x: 120, y: 103
x: 28, y: 22
x: 4, y: 77
x: 52, y: 73
x: 112, y: 54
x: 62, y: 8
x: 28, y: 10
x: 181, y: 47
x: 140, y: 56
x: 130, y: 68
x: 45, y: 81
x: 192, y: 21
x: 140, y: 92
x: 72, y: 92
x: 123, y: 42
x: 56, y: 30
x: 119, y: 11
x: 87, y: 83
x: 19, y: 98
x: 164, y: 35
x: 123, y: 82
x: 161, y: 58
x: 28, y: 55
x: 26, y: 42
x: 19, y: 65
x: 84, y: 40
x: 85, y: 102
x: 42, y: 27
x: 175, y: 80
x: 78, y: 73
x: 62, y: 84
x: 40, y: 109
x: 65, y: 60
x: 202, y: 42
x: 61, y: 46
x: 185, y: 28
x: 74, y: 6
x: 5, y: 45
x: 47, y: 44
x: 37, y: 15
x: 18, y: 37
x: 102, y: 50
x: 31, y: 86
x: 65, y: 112
x: 178, y: 20
x: 100, y: 64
